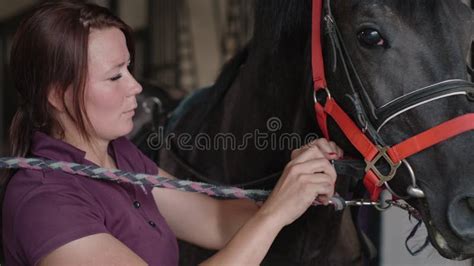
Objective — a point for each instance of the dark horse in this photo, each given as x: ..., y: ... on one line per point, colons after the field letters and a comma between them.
x: 396, y: 46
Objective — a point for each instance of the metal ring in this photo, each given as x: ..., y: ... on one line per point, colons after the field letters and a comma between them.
x: 413, y: 180
x: 385, y: 199
x: 412, y: 175
x: 394, y: 193
x: 378, y: 208
x: 327, y: 92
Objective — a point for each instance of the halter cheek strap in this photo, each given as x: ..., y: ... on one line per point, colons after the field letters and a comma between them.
x: 317, y: 62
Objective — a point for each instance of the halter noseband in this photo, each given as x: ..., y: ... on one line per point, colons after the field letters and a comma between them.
x: 365, y: 136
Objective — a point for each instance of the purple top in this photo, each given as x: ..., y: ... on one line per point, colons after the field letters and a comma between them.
x: 44, y: 210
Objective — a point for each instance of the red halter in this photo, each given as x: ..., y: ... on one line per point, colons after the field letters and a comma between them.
x: 394, y: 155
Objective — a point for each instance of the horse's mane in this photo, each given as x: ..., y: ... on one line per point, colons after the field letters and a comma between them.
x: 278, y: 20
x: 275, y: 21
x: 216, y: 93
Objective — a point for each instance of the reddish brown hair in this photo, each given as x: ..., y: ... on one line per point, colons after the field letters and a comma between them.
x: 50, y: 51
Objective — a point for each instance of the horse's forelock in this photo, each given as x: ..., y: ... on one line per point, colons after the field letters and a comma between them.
x: 278, y: 19
x: 409, y: 7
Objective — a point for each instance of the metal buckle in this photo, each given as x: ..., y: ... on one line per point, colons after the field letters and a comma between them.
x: 393, y: 166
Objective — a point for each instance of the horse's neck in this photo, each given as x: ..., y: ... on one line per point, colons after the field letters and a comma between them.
x: 265, y: 101
x: 268, y: 87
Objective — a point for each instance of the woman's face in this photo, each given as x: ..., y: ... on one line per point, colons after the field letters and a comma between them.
x: 110, y: 92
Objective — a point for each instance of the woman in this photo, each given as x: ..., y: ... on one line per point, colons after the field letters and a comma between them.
x: 77, y: 98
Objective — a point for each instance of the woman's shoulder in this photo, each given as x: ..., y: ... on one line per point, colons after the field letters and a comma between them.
x: 32, y: 187
x: 43, y: 210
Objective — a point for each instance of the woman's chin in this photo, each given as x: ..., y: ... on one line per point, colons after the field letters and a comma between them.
x: 127, y: 129
x: 122, y: 129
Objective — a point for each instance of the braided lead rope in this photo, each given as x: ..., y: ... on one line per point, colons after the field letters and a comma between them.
x: 120, y: 176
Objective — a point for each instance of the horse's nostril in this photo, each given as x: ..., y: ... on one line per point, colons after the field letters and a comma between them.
x: 470, y: 202
x: 461, y: 217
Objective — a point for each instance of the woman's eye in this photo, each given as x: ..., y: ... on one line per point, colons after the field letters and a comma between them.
x: 371, y: 38
x: 117, y: 77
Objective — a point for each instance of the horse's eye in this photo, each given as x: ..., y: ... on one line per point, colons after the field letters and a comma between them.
x: 371, y: 37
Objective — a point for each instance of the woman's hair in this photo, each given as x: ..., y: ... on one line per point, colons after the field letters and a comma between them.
x: 49, y: 51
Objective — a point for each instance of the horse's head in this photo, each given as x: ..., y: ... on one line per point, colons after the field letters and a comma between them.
x: 397, y: 47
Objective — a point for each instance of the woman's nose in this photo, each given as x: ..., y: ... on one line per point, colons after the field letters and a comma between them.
x: 134, y: 87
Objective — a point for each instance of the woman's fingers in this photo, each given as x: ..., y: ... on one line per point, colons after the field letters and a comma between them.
x: 307, y: 177
x: 307, y: 152
x: 301, y: 183
x: 329, y: 148
x: 339, y: 151
x: 318, y: 148
x: 323, y: 180
x: 318, y: 186
x: 312, y: 166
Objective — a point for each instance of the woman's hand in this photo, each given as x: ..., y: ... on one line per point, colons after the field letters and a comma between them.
x: 329, y: 149
x: 309, y: 175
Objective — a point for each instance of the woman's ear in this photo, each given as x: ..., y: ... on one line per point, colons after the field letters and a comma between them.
x: 56, y: 99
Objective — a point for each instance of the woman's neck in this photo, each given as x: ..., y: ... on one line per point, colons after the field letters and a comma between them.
x: 98, y: 154
x: 96, y: 150
x: 95, y: 147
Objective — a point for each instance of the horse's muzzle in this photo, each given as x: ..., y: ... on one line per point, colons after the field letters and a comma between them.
x: 461, y: 217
